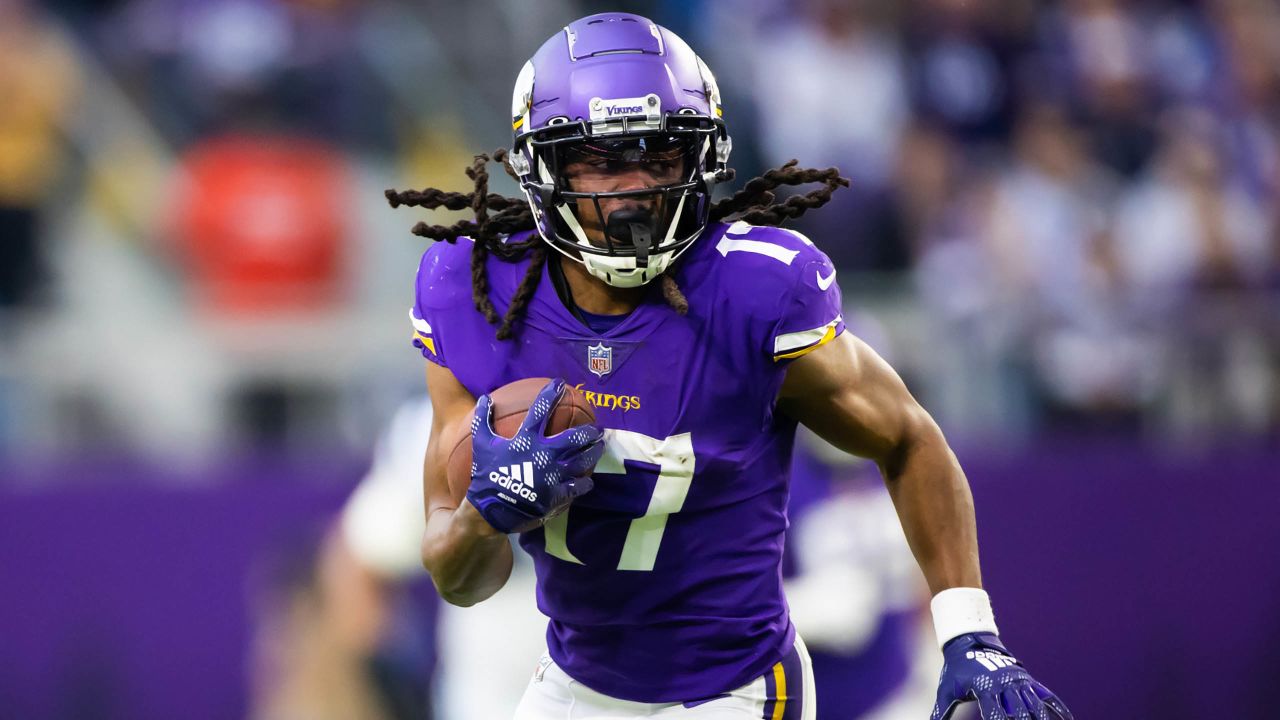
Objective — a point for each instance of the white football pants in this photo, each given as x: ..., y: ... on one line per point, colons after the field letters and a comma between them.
x: 777, y: 695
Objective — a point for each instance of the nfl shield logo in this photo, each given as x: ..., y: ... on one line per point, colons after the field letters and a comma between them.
x: 600, y: 359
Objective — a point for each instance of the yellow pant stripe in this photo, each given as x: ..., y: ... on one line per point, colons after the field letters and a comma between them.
x: 780, y: 689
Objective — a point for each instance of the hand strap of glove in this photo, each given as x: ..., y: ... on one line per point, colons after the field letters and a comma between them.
x: 958, y: 611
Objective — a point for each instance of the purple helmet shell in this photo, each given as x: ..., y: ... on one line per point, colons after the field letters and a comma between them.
x: 617, y: 76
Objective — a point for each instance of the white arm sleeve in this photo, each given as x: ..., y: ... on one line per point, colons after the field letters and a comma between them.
x: 383, y: 521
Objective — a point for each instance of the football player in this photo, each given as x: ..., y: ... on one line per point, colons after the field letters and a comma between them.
x: 484, y: 653
x: 853, y: 590
x: 702, y: 334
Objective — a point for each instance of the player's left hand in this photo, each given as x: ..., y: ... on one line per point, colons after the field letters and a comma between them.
x: 558, y: 467
x: 978, y: 667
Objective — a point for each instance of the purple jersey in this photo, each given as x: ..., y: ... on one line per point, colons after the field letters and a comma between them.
x: 663, y: 583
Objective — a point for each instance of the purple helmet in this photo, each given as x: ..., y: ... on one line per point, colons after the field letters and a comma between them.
x: 615, y: 90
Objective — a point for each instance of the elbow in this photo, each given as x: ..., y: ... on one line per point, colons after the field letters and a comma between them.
x: 461, y: 586
x: 464, y: 568
x: 449, y: 592
x: 427, y: 553
x: 920, y: 438
x: 457, y: 598
x: 464, y: 596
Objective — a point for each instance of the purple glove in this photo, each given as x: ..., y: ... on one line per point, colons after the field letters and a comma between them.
x: 979, y: 668
x: 517, y: 484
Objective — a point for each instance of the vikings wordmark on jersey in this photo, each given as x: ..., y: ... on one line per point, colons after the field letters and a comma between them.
x: 662, y: 583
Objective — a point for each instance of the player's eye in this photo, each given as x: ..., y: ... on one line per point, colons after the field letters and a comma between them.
x: 586, y: 165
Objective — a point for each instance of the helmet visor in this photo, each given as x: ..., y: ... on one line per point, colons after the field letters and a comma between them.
x: 664, y: 159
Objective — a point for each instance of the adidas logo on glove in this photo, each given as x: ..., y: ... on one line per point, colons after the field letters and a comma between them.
x: 516, y: 478
x: 990, y: 660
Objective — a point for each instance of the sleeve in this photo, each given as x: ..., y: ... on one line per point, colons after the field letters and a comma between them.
x: 438, y: 289
x: 424, y: 336
x: 810, y: 314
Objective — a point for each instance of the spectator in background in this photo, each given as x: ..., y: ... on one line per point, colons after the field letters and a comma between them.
x: 201, y: 67
x: 1046, y: 233
x: 263, y: 223
x: 1188, y: 226
x: 964, y: 57
x: 974, y: 334
x: 1103, y: 50
x: 840, y: 76
x: 839, y: 73
x: 1191, y: 243
x: 931, y: 199
x: 38, y: 79
x: 1182, y: 55
x: 1247, y: 97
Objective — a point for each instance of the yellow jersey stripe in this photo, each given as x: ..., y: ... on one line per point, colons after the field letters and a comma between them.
x: 427, y: 341
x: 516, y: 125
x: 780, y: 691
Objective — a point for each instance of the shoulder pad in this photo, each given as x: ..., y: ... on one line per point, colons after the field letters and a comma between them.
x: 444, y: 274
x: 781, y: 281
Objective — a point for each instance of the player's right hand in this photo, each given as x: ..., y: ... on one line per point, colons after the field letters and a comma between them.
x: 517, y: 483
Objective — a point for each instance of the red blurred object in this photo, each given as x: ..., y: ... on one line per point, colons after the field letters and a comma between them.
x: 262, y: 223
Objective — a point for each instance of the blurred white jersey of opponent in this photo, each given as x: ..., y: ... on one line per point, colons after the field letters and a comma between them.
x: 487, y: 652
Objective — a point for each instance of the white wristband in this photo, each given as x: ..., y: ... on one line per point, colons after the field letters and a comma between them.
x: 958, y: 611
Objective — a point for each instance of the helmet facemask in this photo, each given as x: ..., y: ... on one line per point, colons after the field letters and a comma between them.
x: 624, y: 206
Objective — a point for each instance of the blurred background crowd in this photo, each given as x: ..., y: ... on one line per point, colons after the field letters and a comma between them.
x: 1063, y: 213
x: 1064, y: 222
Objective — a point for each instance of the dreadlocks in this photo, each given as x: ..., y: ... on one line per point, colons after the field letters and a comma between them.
x: 754, y: 203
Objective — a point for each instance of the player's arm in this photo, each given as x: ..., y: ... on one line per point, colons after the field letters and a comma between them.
x: 849, y: 396
x: 468, y: 559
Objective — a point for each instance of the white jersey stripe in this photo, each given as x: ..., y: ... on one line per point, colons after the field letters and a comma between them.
x: 790, y: 342
x: 777, y: 252
x: 418, y: 323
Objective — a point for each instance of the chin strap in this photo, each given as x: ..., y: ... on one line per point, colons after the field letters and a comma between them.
x: 642, y: 238
x: 636, y: 228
